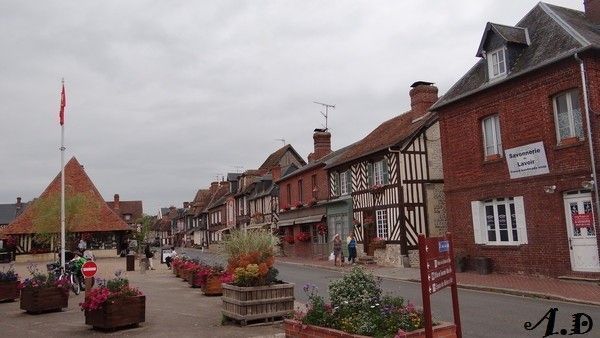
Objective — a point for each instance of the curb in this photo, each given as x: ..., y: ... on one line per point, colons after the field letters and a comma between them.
x: 514, y: 292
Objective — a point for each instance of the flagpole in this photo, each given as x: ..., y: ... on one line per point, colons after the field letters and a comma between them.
x: 62, y: 189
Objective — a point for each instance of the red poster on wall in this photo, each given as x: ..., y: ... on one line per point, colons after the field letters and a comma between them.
x: 582, y: 220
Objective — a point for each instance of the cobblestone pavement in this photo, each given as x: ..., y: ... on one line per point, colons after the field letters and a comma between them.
x: 173, y: 309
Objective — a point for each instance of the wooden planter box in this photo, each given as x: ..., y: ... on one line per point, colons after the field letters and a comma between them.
x: 35, y: 300
x: 295, y: 329
x: 213, y: 286
x: 257, y: 302
x: 9, y: 291
x: 117, y: 314
x: 185, y: 274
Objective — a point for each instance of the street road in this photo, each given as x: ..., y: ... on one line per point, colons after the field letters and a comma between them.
x: 483, y: 314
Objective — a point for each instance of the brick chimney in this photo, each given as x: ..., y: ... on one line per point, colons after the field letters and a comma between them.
x: 422, y: 96
x: 322, y: 140
x: 116, y: 201
x: 592, y: 10
x: 213, y: 187
x: 276, y: 172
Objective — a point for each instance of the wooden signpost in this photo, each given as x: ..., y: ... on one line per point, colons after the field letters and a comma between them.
x: 436, y: 255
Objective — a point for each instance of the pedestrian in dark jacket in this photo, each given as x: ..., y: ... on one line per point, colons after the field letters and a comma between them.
x: 149, y: 256
x: 352, y: 249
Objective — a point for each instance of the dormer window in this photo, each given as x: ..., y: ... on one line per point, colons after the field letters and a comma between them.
x: 497, y: 63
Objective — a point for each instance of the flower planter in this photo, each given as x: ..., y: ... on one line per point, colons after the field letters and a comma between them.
x: 213, y: 286
x: 442, y: 330
x: 296, y: 329
x: 36, y: 300
x: 9, y: 291
x: 185, y: 274
x: 257, y: 302
x: 118, y: 313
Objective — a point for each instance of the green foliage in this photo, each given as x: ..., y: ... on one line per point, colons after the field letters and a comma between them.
x: 355, y: 290
x: 118, y: 283
x: 146, y: 226
x: 240, y: 242
x: 80, y: 208
x: 358, y: 307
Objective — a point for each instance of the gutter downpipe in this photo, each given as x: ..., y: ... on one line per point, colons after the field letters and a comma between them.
x: 590, y: 142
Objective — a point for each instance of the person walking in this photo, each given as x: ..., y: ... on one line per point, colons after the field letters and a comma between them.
x: 149, y: 256
x: 337, y: 250
x: 352, y: 249
x: 82, y: 246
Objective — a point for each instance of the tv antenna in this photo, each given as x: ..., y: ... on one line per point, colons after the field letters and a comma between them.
x: 327, y: 106
x: 238, y: 168
x: 281, y: 139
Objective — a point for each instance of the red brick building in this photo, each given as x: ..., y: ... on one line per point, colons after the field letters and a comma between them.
x: 130, y: 211
x: 519, y: 183
x: 302, y: 195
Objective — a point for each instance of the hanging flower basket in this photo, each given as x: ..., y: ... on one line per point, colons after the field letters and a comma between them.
x: 289, y: 239
x: 303, y: 236
x: 377, y: 188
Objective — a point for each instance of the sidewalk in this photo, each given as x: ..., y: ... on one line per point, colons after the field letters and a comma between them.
x: 529, y: 286
x: 173, y: 309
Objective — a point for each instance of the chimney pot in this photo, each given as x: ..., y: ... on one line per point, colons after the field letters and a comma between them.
x: 322, y: 141
x: 592, y: 10
x: 18, y: 200
x: 422, y: 96
x: 116, y: 201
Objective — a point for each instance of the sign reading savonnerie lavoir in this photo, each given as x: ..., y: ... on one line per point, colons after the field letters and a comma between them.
x: 582, y: 220
x: 527, y: 160
x: 436, y: 255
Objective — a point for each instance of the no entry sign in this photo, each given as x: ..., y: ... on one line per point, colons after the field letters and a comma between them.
x: 89, y: 269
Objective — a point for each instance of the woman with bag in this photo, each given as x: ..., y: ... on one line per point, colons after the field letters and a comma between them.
x: 352, y: 249
x: 149, y: 256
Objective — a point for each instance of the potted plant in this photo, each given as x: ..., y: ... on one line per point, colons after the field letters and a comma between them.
x: 208, y: 278
x: 43, y: 292
x: 114, y: 304
x: 9, y: 284
x: 251, y: 290
x: 358, y: 309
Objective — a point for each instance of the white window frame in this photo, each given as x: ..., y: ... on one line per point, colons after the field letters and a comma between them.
x: 344, y: 183
x: 496, y: 136
x: 570, y: 112
x: 480, y: 226
x: 382, y: 224
x: 378, y: 173
x: 497, y: 63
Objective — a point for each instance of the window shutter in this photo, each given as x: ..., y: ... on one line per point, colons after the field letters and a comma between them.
x: 520, y: 216
x: 478, y: 228
x: 370, y: 174
x: 386, y: 174
x: 348, y: 182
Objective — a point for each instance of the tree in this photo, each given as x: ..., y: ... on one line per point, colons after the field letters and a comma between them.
x: 144, y: 229
x: 80, y: 209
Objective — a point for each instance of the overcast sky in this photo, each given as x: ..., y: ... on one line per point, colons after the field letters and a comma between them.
x: 162, y: 96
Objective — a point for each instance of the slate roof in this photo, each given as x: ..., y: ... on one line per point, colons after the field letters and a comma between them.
x: 555, y: 33
x: 274, y: 158
x: 8, y: 212
x: 510, y: 34
x: 390, y: 133
x: 76, y: 181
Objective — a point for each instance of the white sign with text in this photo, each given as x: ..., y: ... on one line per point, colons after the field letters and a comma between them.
x: 527, y: 160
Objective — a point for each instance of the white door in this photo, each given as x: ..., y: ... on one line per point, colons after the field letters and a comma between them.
x: 582, y: 238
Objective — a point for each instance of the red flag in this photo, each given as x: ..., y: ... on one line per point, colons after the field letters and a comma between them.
x: 63, y: 103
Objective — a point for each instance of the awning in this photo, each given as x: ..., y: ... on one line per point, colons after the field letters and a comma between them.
x: 301, y: 220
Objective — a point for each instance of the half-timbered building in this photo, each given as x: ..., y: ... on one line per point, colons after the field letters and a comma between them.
x: 92, y: 218
x: 393, y: 177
